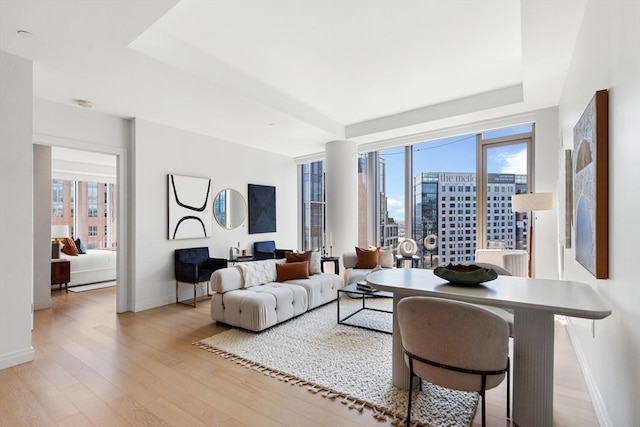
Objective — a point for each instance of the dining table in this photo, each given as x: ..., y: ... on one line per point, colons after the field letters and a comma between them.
x: 535, y: 303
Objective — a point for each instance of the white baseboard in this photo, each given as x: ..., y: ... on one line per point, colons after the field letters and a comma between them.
x: 594, y: 392
x: 156, y: 302
x: 17, y: 358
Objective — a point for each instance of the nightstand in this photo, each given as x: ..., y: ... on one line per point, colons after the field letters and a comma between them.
x: 61, y: 273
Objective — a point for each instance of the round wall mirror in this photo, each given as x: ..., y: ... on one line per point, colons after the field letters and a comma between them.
x: 229, y: 208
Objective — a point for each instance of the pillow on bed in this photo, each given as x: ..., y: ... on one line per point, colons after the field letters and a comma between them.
x: 366, y: 258
x: 82, y: 249
x: 69, y: 247
x: 292, y: 270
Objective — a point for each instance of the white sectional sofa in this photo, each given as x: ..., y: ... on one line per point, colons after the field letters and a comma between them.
x: 353, y: 275
x: 248, y: 296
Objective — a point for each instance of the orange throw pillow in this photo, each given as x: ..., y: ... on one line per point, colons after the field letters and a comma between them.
x: 69, y: 247
x: 366, y: 258
x: 294, y: 257
x: 292, y: 270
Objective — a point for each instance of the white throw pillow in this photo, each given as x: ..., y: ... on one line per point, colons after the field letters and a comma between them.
x: 385, y: 258
x: 314, y: 265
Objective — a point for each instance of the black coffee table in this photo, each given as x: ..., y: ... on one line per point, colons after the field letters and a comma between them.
x: 352, y: 289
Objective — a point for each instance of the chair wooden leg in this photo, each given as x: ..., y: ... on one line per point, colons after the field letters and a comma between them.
x: 176, y: 291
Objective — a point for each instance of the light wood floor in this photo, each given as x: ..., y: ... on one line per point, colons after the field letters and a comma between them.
x: 94, y: 367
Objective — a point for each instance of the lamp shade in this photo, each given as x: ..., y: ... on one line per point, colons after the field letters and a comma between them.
x: 531, y: 202
x: 58, y: 231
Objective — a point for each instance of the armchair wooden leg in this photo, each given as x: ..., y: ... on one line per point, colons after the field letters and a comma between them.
x: 195, y: 293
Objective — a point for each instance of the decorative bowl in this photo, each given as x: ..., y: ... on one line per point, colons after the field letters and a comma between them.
x: 463, y: 274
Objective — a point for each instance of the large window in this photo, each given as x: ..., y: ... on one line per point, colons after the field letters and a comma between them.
x: 313, y: 203
x: 453, y: 194
x: 95, y: 205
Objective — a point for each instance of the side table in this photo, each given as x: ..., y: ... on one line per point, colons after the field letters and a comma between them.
x: 334, y: 259
x: 61, y: 273
x: 401, y: 259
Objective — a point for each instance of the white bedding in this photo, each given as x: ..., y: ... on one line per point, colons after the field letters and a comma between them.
x: 97, y: 265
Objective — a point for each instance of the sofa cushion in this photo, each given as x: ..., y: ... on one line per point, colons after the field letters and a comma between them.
x: 367, y: 258
x: 256, y: 273
x: 226, y: 279
x: 315, y: 264
x: 292, y: 270
x: 299, y: 257
x: 259, y: 307
x: 386, y: 258
x: 349, y: 259
x: 321, y: 288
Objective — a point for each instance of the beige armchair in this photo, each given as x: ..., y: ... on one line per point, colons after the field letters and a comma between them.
x: 455, y: 345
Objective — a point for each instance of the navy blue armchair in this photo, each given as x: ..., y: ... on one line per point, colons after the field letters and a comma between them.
x: 267, y: 250
x: 193, y: 266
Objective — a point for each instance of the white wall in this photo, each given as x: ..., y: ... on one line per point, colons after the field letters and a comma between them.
x: 16, y: 211
x: 160, y: 150
x: 607, y: 56
x: 70, y: 126
x: 41, y: 227
x: 545, y: 238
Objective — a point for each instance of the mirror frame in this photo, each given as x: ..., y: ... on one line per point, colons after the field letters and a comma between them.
x: 234, y: 204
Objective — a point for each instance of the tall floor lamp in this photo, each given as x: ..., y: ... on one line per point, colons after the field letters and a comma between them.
x: 531, y: 202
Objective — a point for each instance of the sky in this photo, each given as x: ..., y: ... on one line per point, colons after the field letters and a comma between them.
x: 456, y: 154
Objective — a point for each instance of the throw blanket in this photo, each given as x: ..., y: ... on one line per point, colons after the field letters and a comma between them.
x: 256, y: 273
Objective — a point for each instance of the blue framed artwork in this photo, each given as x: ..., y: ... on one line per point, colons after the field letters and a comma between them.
x: 262, y: 208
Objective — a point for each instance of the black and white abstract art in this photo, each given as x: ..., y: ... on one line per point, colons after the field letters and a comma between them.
x: 190, y: 212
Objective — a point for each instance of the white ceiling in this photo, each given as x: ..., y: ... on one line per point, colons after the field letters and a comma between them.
x: 288, y: 75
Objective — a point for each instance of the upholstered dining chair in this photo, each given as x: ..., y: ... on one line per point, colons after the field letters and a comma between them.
x: 455, y: 345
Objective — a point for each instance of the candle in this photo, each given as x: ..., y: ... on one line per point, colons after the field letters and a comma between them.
x: 330, y: 238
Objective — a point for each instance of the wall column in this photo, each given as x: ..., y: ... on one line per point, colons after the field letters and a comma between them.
x: 341, y: 161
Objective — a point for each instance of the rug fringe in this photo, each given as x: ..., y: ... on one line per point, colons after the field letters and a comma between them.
x: 378, y: 413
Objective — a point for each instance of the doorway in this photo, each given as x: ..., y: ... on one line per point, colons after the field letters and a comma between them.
x: 106, y: 168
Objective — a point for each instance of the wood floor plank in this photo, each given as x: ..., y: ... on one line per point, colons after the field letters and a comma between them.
x: 94, y: 367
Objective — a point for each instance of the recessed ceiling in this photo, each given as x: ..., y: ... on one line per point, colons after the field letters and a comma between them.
x: 288, y: 76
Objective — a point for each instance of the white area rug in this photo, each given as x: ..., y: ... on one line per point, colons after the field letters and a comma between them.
x: 342, y: 362
x: 92, y: 286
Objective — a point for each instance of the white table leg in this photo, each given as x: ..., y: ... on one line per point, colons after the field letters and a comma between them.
x: 400, y: 370
x: 533, y: 368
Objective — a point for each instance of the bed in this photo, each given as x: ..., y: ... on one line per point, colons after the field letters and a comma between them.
x: 97, y: 265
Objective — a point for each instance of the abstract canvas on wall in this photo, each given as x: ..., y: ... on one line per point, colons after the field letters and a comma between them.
x: 190, y: 212
x: 590, y: 160
x: 568, y: 197
x: 262, y: 208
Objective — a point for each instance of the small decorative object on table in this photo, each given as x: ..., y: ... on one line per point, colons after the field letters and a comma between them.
x: 465, y: 274
x: 364, y: 286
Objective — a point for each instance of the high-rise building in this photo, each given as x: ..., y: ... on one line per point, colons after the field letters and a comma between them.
x: 445, y: 208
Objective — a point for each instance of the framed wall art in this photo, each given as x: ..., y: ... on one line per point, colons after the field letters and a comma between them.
x: 590, y: 181
x: 568, y: 197
x: 262, y: 208
x: 190, y: 210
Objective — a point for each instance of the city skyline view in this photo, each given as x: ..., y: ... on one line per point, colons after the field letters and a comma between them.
x: 453, y: 155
